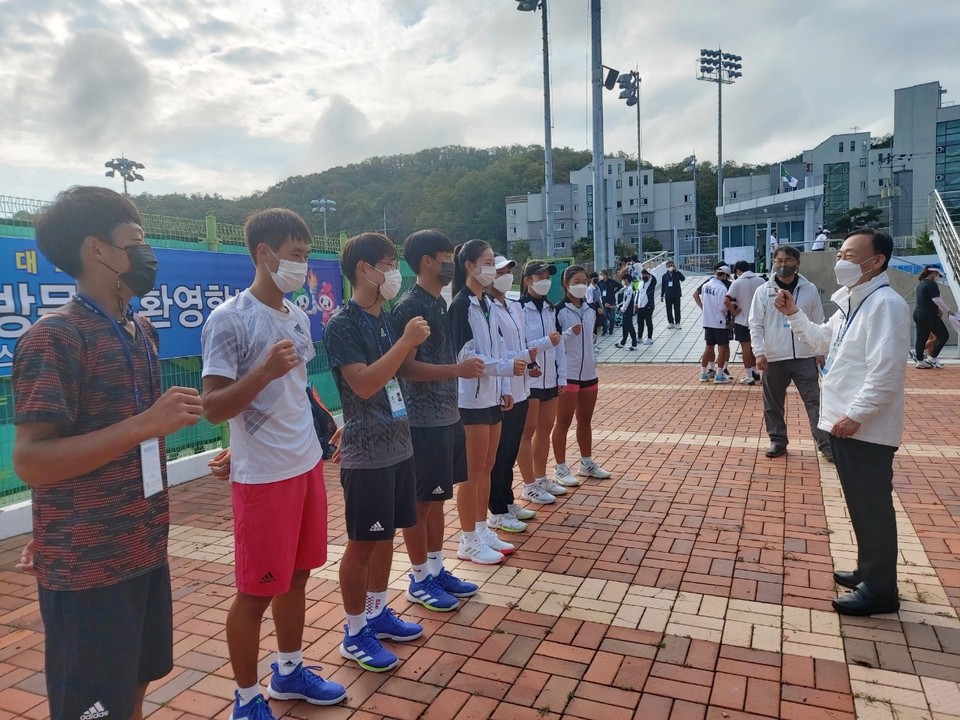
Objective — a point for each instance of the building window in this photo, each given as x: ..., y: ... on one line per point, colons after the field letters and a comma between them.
x: 576, y: 226
x: 863, y: 184
x: 630, y: 181
x: 513, y: 231
x: 619, y: 184
x: 619, y: 223
x: 633, y: 221
x: 645, y: 221
x: 687, y: 218
x: 733, y: 194
x: 559, y: 208
x: 619, y: 168
x: 632, y: 202
x: 576, y: 208
x: 863, y: 162
x: 687, y: 198
x: 557, y: 245
x: 841, y: 146
x: 610, y: 169
x: 646, y: 179
x: 644, y: 201
x: 513, y: 212
x: 619, y: 203
x: 853, y: 145
x: 559, y: 226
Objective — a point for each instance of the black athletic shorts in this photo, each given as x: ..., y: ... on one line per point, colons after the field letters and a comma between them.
x: 741, y: 333
x: 379, y: 501
x: 543, y: 393
x: 481, y: 416
x: 716, y: 336
x: 440, y: 458
x: 102, y: 644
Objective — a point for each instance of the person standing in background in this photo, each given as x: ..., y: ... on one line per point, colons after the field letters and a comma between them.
x: 928, y: 315
x: 645, y: 299
x: 671, y: 293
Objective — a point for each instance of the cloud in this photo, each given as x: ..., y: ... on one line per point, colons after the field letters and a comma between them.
x: 104, y: 89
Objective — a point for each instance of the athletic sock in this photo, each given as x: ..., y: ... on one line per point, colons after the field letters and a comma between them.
x: 376, y: 602
x: 420, y: 572
x: 435, y: 563
x: 248, y: 694
x: 356, y: 623
x: 287, y: 662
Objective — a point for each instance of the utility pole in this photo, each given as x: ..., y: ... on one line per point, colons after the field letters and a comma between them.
x: 600, y: 247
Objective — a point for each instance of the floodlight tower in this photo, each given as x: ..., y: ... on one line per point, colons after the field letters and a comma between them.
x: 721, y: 68
x: 324, y: 205
x: 127, y: 169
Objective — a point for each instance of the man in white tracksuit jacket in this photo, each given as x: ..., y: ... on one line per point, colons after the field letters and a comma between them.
x: 861, y: 406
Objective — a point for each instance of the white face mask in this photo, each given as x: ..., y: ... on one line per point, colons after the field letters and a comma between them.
x: 503, y: 283
x: 487, y: 274
x: 392, y: 279
x: 577, y: 291
x: 849, y: 273
x: 290, y: 275
x: 542, y: 287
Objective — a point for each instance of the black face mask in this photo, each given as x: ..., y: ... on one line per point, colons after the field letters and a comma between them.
x: 142, y: 275
x: 786, y: 271
x: 445, y: 276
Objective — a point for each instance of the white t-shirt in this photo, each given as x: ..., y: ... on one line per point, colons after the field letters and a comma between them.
x: 773, y: 240
x: 712, y: 293
x: 274, y: 438
x: 741, y: 292
x: 820, y: 242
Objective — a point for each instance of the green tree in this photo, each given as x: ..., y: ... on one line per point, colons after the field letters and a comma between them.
x: 652, y: 244
x: 924, y: 243
x: 582, y: 250
x: 863, y: 216
x: 520, y: 252
x: 622, y: 249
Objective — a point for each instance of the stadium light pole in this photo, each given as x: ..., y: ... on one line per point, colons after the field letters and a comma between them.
x: 324, y: 205
x: 127, y: 169
x: 721, y: 68
x: 532, y: 6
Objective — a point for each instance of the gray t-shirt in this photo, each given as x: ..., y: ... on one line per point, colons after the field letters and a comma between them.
x: 433, y: 403
x: 372, y: 437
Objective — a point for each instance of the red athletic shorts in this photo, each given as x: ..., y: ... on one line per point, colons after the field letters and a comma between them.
x: 279, y: 527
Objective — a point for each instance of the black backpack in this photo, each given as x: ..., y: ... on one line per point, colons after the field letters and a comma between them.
x: 323, y: 422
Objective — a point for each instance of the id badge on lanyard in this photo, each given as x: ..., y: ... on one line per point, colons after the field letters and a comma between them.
x: 398, y: 408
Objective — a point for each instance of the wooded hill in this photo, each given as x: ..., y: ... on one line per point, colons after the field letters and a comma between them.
x: 457, y: 189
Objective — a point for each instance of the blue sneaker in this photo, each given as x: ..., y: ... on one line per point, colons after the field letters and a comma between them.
x: 302, y: 684
x: 388, y: 625
x: 455, y: 586
x: 431, y: 595
x: 256, y: 709
x: 366, y: 650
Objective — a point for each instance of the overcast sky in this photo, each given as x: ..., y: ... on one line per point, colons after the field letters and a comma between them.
x: 232, y: 96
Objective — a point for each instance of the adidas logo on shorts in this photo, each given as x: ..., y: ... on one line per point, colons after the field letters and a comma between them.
x: 95, y: 711
x: 376, y: 527
x: 438, y: 490
x: 268, y: 578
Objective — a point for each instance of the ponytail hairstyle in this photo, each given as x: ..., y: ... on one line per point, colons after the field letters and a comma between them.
x: 470, y: 251
x: 570, y: 272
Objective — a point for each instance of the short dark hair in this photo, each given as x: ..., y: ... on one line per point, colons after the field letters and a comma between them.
x: 741, y: 265
x: 788, y: 250
x: 882, y: 243
x: 424, y: 243
x: 368, y: 247
x: 80, y: 212
x: 272, y: 227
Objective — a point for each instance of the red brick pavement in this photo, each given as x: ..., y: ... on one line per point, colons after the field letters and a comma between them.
x: 682, y: 515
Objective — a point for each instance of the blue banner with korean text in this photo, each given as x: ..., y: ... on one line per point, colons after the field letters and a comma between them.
x: 190, y: 283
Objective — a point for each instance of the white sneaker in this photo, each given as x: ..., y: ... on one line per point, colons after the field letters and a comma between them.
x: 536, y: 493
x: 648, y: 341
x: 506, y: 522
x: 478, y: 551
x: 552, y: 487
x: 521, y: 513
x: 592, y: 469
x: 933, y: 361
x: 492, y: 541
x: 563, y: 475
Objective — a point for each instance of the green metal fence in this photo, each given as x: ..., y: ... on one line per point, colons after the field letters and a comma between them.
x: 16, y: 220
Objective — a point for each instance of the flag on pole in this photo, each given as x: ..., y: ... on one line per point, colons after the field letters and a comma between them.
x: 788, y: 178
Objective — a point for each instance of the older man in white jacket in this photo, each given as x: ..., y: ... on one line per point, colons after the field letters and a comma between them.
x: 861, y: 407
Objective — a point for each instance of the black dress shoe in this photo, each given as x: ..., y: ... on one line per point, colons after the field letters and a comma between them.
x: 847, y: 578
x: 862, y: 601
x: 775, y: 450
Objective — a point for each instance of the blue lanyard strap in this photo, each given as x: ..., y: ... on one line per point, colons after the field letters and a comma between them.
x: 851, y: 316
x: 385, y: 326
x: 124, y: 338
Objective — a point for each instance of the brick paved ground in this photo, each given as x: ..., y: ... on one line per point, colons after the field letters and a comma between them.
x: 695, y: 584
